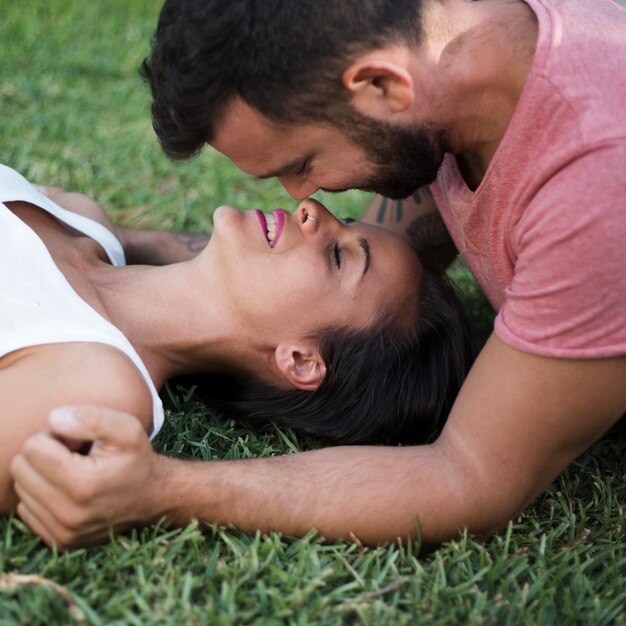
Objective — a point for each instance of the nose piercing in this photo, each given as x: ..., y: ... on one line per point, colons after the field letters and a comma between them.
x: 310, y: 217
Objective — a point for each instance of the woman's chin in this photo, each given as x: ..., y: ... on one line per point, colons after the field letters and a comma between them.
x: 227, y: 217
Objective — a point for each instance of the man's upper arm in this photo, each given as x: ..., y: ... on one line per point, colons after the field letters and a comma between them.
x: 520, y: 419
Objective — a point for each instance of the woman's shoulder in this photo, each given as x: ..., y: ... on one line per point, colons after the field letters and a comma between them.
x: 81, y: 205
x: 42, y: 377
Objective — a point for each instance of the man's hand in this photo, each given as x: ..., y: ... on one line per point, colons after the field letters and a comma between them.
x: 72, y: 499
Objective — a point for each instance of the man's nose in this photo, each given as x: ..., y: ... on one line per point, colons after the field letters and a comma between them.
x: 298, y: 188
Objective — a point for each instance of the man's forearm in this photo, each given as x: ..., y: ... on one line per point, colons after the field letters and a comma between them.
x: 376, y: 494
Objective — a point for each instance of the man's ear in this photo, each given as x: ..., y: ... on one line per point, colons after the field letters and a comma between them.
x: 301, y: 366
x: 380, y: 83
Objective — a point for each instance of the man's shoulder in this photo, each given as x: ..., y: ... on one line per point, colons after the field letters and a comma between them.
x: 585, y: 65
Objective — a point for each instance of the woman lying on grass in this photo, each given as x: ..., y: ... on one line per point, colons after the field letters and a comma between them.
x: 296, y: 317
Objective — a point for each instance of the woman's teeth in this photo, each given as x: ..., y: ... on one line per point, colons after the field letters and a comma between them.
x: 271, y: 228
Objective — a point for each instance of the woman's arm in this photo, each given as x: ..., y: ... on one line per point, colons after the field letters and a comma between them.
x: 159, y: 247
x: 141, y: 247
x: 35, y: 380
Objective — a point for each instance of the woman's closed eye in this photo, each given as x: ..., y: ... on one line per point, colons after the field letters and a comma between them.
x: 337, y: 251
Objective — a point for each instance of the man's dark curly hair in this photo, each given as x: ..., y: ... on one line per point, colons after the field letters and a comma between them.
x: 285, y: 59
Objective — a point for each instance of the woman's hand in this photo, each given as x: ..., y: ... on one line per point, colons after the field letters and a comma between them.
x: 72, y: 499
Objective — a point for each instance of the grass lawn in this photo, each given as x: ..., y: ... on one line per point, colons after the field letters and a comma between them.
x: 74, y: 113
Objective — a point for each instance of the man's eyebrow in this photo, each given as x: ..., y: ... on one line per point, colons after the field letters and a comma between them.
x: 292, y: 166
x: 365, y: 246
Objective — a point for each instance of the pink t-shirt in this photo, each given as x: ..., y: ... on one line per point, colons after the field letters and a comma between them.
x: 545, y: 232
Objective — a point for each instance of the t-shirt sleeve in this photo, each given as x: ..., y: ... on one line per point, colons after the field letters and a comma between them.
x: 568, y: 294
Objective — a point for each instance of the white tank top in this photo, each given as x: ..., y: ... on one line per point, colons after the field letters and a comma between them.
x: 37, y: 304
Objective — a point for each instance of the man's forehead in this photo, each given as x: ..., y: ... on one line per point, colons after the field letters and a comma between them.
x: 260, y: 146
x: 243, y: 129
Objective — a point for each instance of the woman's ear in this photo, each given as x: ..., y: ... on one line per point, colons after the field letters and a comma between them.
x: 301, y: 366
x: 380, y: 83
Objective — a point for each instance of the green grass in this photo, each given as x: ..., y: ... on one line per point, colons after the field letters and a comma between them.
x: 74, y: 113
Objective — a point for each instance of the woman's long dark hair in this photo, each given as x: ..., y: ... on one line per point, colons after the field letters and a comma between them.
x: 382, y: 385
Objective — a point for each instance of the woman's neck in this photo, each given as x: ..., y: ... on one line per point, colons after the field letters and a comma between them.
x: 172, y: 315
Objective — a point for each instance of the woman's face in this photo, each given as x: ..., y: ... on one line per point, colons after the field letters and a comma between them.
x: 310, y: 272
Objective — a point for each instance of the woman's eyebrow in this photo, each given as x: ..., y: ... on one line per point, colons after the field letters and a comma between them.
x: 365, y: 246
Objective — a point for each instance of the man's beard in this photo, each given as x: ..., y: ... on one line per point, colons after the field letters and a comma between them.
x: 405, y: 159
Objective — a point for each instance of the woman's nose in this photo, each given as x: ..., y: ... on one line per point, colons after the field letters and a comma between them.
x: 309, y: 215
x: 313, y: 217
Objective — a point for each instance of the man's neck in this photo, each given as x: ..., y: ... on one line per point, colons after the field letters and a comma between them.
x: 485, y: 62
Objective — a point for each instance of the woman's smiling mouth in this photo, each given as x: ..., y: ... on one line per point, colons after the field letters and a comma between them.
x: 272, y: 225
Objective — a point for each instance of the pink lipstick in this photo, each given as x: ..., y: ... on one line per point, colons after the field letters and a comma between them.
x: 279, y: 216
x: 263, y: 221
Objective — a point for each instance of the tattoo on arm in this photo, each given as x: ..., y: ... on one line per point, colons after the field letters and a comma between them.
x: 192, y: 243
x: 382, y: 210
x: 386, y: 204
x: 420, y: 193
x: 392, y: 211
x: 426, y: 232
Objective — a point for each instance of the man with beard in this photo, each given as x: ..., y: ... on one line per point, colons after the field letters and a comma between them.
x: 512, y: 112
